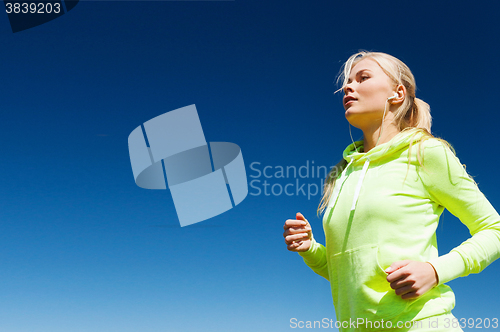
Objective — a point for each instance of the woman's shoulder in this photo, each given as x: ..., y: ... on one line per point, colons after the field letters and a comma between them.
x: 437, y: 153
x: 420, y: 139
x: 435, y: 147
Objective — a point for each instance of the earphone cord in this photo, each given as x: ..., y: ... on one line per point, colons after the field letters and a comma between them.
x: 381, y: 128
x: 382, y: 125
x: 350, y: 133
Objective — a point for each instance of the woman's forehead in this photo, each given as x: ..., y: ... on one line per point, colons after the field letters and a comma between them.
x: 365, y: 64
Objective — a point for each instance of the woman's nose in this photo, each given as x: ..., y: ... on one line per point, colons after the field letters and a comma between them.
x: 348, y: 88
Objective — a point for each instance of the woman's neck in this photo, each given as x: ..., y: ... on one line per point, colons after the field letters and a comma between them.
x: 376, y: 135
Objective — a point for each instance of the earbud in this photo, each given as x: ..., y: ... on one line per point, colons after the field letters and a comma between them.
x: 395, y: 96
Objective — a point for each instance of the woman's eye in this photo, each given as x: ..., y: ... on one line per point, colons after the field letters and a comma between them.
x: 364, y: 78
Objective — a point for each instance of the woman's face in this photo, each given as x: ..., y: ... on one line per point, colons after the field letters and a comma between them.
x: 366, y: 93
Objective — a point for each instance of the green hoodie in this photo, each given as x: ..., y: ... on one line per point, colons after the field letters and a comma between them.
x: 384, y: 209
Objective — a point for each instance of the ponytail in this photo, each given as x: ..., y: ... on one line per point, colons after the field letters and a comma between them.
x: 413, y: 113
x: 423, y: 118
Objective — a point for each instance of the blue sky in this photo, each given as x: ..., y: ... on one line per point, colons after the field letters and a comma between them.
x: 84, y: 249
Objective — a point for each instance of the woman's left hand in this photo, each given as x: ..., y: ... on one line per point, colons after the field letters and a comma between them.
x: 411, y: 279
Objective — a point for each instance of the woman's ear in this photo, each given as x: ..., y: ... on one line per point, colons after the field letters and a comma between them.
x: 400, y: 95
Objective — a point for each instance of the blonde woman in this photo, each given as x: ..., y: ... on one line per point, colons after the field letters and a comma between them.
x: 381, y: 206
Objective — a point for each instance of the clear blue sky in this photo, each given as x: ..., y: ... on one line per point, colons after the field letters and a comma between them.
x: 82, y: 248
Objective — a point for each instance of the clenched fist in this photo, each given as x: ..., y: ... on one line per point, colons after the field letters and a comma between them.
x: 298, y: 233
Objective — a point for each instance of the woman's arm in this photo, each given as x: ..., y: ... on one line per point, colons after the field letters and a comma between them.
x: 315, y: 258
x: 449, y: 185
x: 298, y: 237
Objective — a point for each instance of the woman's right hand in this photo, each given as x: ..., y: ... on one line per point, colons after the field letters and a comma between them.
x: 298, y: 233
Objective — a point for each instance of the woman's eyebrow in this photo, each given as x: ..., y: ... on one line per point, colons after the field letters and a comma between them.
x: 362, y: 70
x: 359, y: 72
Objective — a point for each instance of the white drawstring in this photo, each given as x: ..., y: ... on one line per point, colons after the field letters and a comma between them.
x: 343, y: 178
x: 360, y: 183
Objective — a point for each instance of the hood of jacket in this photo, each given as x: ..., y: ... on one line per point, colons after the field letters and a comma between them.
x: 354, y: 154
x: 355, y: 151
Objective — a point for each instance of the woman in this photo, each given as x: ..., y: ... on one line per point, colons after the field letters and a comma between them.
x: 381, y: 207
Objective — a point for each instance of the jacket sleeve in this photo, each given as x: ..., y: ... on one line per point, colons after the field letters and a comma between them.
x: 448, y: 184
x: 315, y: 258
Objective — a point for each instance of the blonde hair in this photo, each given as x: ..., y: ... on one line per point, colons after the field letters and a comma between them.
x: 413, y: 113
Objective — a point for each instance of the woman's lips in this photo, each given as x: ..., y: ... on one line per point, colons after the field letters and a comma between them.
x: 348, y: 100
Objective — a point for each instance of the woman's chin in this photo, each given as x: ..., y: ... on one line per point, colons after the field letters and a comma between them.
x: 353, y: 118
